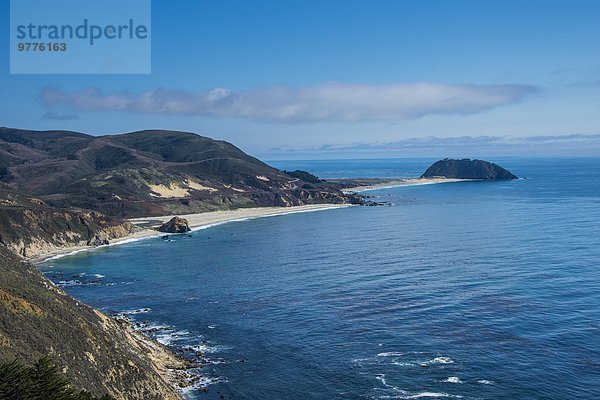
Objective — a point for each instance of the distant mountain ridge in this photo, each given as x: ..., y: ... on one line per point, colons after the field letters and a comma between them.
x: 149, y: 172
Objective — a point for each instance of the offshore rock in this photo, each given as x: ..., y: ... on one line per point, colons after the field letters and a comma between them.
x: 467, y: 169
x: 175, y: 225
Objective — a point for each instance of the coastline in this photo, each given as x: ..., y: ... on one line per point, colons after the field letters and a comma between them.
x: 171, y: 367
x: 404, y: 182
x: 144, y: 226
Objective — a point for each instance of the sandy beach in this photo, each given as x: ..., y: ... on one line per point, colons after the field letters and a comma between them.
x: 404, y: 182
x: 145, y: 227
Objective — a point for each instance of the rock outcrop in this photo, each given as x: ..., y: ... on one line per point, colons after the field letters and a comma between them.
x: 33, y: 229
x: 175, y: 225
x: 467, y: 169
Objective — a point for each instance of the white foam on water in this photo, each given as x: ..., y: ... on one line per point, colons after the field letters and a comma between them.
x: 135, y: 311
x: 381, y: 378
x: 403, y: 363
x: 207, y: 348
x: 203, y: 348
x: 85, y: 249
x: 390, y: 354
x: 431, y: 394
x: 202, y: 227
x: 76, y: 282
x: 167, y: 335
x: 362, y: 361
x: 441, y: 360
x: 198, y: 382
x: 170, y: 337
x: 403, y: 394
x: 149, y: 328
x: 130, y: 240
x: 127, y: 314
x: 485, y: 382
x: 453, y: 379
x: 72, y: 253
x: 73, y: 282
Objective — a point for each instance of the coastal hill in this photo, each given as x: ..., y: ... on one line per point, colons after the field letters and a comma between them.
x: 149, y: 173
x: 467, y: 169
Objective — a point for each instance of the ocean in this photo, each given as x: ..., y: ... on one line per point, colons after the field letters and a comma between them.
x: 471, y: 290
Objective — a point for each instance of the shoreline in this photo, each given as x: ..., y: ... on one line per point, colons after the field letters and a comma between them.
x: 144, y: 225
x: 393, y: 183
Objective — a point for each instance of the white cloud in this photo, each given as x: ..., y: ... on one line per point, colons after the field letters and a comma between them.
x: 328, y: 102
x: 457, y: 146
x: 52, y: 115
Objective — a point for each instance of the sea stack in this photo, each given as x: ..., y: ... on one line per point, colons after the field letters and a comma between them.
x: 468, y: 169
x: 175, y: 225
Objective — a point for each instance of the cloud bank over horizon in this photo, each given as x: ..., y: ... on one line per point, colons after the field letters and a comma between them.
x: 456, y: 146
x: 331, y: 102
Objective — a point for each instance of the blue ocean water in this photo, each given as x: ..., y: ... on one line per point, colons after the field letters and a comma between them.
x: 475, y: 290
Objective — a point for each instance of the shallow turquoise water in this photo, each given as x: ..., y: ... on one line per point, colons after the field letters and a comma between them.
x: 465, y: 290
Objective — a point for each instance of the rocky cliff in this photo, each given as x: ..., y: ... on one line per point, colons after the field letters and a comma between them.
x: 31, y: 228
x: 468, y: 169
x: 100, y: 355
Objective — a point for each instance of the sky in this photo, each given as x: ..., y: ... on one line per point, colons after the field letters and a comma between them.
x: 342, y: 79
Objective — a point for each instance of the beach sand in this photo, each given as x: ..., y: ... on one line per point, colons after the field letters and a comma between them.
x: 145, y: 227
x: 403, y: 182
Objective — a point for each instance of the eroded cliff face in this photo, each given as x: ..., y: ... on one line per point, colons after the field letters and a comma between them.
x: 100, y: 354
x: 36, y: 231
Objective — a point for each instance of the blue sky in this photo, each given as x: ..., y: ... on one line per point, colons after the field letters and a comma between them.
x: 287, y: 79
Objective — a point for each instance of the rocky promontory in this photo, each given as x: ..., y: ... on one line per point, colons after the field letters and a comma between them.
x: 467, y: 169
x: 98, y: 354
